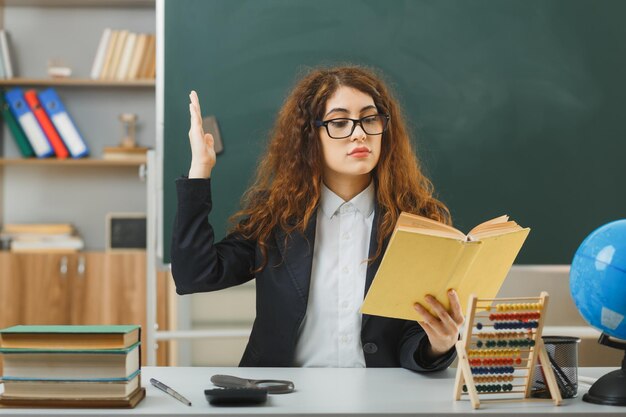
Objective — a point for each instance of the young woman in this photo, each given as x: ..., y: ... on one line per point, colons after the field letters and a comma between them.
x: 338, y: 171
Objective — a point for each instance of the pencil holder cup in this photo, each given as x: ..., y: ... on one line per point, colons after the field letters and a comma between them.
x: 563, y: 354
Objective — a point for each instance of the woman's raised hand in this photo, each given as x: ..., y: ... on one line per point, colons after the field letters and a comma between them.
x: 202, y: 146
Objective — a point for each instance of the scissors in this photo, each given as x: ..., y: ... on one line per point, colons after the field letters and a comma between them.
x: 273, y: 386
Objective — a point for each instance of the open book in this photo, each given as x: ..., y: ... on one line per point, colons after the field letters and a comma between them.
x: 427, y: 257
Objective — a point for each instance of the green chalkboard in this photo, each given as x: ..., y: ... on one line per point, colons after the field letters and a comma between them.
x: 517, y: 106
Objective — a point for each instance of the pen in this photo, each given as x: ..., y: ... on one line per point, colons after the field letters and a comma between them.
x: 169, y: 391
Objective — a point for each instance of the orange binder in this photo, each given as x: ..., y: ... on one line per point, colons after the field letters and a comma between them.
x: 46, y: 124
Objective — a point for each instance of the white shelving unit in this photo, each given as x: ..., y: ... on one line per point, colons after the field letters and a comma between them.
x: 81, y: 191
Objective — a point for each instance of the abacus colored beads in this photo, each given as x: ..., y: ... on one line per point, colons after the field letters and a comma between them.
x: 518, y: 306
x: 514, y: 316
x: 515, y: 325
x: 492, y: 388
x: 479, y: 325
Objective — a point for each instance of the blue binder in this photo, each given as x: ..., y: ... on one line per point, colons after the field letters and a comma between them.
x: 64, y: 124
x: 27, y: 120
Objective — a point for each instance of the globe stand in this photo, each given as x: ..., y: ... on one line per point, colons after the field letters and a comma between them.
x: 610, y: 389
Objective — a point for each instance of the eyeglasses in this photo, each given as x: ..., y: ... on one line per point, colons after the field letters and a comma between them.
x: 343, y: 127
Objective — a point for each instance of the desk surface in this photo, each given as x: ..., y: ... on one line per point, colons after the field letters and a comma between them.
x: 333, y: 392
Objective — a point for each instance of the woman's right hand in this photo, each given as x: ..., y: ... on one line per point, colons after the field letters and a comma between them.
x: 202, y: 146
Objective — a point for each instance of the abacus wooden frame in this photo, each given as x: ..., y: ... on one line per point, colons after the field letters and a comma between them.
x: 537, y: 352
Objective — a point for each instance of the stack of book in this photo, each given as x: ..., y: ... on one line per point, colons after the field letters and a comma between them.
x: 54, y: 237
x: 123, y: 55
x: 71, y: 366
x: 40, y: 124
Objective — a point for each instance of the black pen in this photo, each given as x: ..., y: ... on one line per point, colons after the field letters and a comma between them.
x: 169, y: 391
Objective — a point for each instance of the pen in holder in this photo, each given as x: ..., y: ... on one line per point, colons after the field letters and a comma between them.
x: 563, y: 354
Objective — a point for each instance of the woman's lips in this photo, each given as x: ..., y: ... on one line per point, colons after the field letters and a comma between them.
x: 360, y: 152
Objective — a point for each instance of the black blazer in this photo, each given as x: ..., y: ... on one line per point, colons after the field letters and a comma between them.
x: 282, y: 287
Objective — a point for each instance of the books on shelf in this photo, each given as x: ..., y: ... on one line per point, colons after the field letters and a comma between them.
x: 64, y: 124
x: 98, y: 62
x: 48, y: 244
x: 118, y: 48
x: 38, y: 228
x: 43, y: 120
x: 124, y: 55
x: 108, y: 56
x: 72, y: 366
x: 138, y: 53
x: 6, y: 64
x: 41, y: 238
x: 427, y: 257
x: 46, y: 124
x: 16, y: 130
x: 28, y: 122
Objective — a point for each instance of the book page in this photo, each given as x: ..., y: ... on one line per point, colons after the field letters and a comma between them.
x: 489, y: 223
x: 413, y: 220
x: 431, y: 232
x: 496, y: 229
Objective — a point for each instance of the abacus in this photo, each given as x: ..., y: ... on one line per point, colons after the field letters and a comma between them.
x: 500, y: 349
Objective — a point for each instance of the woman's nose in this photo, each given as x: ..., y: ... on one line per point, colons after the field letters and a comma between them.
x: 358, y: 133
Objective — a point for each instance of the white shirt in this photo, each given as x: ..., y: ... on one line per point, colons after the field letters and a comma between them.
x: 330, y: 335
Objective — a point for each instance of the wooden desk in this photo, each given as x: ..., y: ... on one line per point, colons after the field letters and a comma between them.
x: 332, y: 392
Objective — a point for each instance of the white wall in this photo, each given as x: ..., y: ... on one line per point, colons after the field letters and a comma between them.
x: 235, y: 308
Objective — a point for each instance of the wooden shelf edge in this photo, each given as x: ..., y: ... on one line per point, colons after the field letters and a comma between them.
x: 80, y: 3
x: 85, y: 162
x: 76, y: 82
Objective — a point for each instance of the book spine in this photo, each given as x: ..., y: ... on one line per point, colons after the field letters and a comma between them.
x: 2, y: 71
x: 63, y: 123
x: 98, y: 62
x: 144, y: 67
x: 108, y: 55
x: 117, y: 54
x: 46, y: 124
x: 126, y: 56
x: 152, y: 63
x: 18, y: 134
x: 6, y: 55
x: 28, y: 122
x: 137, y: 55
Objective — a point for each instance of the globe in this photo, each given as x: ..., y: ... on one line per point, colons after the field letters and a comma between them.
x: 598, y: 288
x: 598, y: 279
